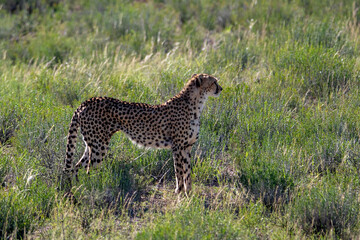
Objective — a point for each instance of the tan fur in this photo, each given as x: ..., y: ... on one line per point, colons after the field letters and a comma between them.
x: 174, y: 124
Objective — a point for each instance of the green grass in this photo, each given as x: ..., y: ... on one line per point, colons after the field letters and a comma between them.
x: 278, y: 151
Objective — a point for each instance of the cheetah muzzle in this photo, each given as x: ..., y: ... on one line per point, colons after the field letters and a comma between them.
x: 173, y: 125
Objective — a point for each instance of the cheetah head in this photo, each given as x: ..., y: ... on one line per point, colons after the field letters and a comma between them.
x: 207, y: 84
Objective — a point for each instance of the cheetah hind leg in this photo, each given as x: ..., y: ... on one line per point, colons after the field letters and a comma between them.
x: 83, y: 162
x: 92, y: 157
x: 98, y: 153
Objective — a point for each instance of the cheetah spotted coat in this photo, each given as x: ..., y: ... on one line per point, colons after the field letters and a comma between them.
x: 173, y: 125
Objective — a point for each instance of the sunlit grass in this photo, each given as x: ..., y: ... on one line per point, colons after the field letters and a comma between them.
x: 278, y: 151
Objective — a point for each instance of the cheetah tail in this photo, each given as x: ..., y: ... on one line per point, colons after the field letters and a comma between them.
x: 71, y: 143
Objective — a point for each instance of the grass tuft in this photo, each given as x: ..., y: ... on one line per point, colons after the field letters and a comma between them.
x: 9, y: 122
x: 326, y: 207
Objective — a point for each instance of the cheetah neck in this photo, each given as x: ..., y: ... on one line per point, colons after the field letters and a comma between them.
x: 201, y: 103
x: 197, y: 108
x: 197, y: 99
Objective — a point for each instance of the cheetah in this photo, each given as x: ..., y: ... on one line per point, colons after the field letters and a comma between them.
x: 172, y: 125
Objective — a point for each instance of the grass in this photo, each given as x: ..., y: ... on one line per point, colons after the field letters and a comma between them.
x: 278, y: 152
x: 326, y: 206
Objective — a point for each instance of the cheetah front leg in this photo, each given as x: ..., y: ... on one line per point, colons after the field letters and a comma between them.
x: 182, y: 167
x: 98, y: 153
x: 186, y: 153
x: 178, y: 169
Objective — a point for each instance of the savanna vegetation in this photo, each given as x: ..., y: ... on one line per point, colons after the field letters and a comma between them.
x: 278, y: 155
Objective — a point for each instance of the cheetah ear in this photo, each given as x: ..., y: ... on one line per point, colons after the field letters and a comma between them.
x: 198, y: 81
x: 194, y: 75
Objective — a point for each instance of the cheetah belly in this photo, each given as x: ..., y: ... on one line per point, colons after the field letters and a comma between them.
x: 159, y: 144
x: 152, y: 139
